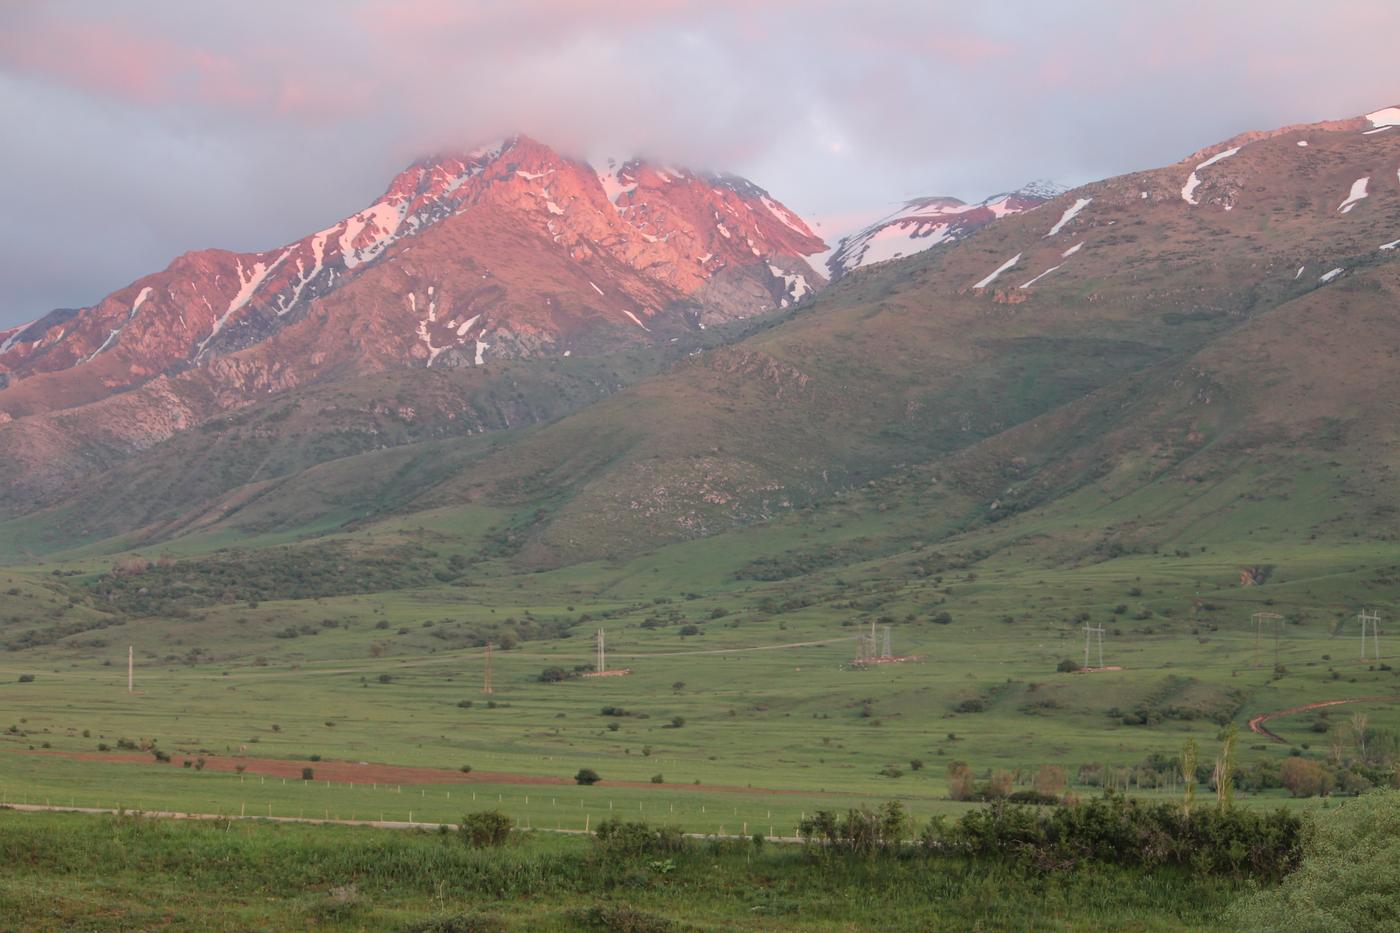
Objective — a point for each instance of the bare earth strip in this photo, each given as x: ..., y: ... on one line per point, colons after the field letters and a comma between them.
x: 1257, y: 723
x: 351, y: 772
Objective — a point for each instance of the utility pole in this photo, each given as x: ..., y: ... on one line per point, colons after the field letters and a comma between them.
x: 486, y: 687
x: 1372, y: 618
x: 602, y: 656
x: 131, y: 666
x: 1089, y: 632
x: 1260, y: 620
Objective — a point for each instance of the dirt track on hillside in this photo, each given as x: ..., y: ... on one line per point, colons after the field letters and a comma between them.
x: 362, y: 772
x: 1256, y: 724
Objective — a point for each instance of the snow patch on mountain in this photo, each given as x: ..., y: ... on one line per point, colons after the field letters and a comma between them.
x: 998, y: 271
x: 795, y: 285
x: 1390, y: 116
x: 1188, y: 190
x: 1070, y: 213
x: 1329, y: 276
x: 1358, y: 192
x: 1041, y: 276
x: 247, y: 287
x: 924, y: 223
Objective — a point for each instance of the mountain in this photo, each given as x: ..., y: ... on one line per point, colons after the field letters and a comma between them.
x: 924, y: 223
x: 510, y: 251
x: 507, y: 251
x: 1196, y: 351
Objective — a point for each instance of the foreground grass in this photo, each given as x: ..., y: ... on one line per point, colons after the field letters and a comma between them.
x: 67, y: 872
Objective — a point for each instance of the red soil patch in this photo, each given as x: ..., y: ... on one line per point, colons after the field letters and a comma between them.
x: 1256, y: 724
x: 351, y: 772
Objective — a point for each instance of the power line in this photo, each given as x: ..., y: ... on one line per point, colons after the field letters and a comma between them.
x: 1089, y: 632
x: 1372, y: 618
x: 1259, y: 619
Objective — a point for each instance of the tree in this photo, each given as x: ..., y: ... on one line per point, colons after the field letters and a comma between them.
x: 307, y: 774
x: 1050, y: 780
x: 1358, y: 728
x: 961, y: 784
x: 1188, y: 775
x: 1339, y: 884
x: 1225, y: 770
x: 1304, y: 778
x: 587, y: 777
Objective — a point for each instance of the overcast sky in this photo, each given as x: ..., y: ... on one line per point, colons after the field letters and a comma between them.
x: 139, y: 130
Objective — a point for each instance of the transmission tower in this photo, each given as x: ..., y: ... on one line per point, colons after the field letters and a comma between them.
x: 886, y: 652
x: 486, y: 685
x: 1261, y: 619
x: 1372, y: 618
x: 602, y: 654
x: 1089, y: 632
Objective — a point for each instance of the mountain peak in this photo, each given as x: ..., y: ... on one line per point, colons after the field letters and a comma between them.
x: 923, y: 223
x: 504, y: 250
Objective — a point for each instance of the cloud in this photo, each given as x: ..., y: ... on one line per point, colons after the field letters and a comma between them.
x: 142, y: 129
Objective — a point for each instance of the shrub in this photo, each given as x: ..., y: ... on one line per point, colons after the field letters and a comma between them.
x: 677, y: 722
x: 465, y: 769
x: 973, y: 705
x: 554, y: 675
x: 586, y: 776
x: 859, y: 831
x: 657, y: 779
x: 622, y: 839
x: 458, y: 923
x: 619, y: 918
x: 486, y: 829
x: 1067, y: 666
x: 26, y: 678
x: 307, y: 774
x: 1119, y: 830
